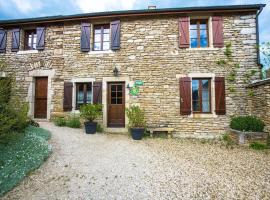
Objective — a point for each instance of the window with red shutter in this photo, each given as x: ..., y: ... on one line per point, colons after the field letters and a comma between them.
x: 220, y: 96
x: 185, y: 96
x: 217, y: 26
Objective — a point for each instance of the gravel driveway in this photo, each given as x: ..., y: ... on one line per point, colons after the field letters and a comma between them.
x: 104, y: 166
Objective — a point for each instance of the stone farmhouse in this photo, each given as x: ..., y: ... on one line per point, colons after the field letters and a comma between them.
x: 173, y: 63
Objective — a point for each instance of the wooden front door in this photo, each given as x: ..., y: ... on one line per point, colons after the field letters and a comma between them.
x: 116, y: 104
x: 41, y: 90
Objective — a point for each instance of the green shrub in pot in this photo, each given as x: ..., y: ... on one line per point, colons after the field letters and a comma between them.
x: 90, y: 112
x: 137, y: 123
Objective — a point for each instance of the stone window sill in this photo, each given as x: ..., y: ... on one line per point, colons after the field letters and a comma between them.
x: 100, y: 52
x: 203, y: 115
x: 203, y: 49
x: 27, y: 52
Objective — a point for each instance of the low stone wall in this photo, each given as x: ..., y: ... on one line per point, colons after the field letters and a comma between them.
x: 259, y: 101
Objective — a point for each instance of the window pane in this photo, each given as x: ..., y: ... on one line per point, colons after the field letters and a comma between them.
x: 193, y: 34
x: 106, y: 38
x: 35, y: 38
x: 196, y: 105
x: 106, y: 30
x: 119, y: 87
x: 205, y: 106
x: 97, y: 46
x: 203, y: 26
x: 97, y: 38
x: 97, y: 30
x: 113, y: 88
x: 113, y: 94
x: 193, y: 26
x: 106, y: 45
x: 203, y: 42
x: 119, y: 100
x: 203, y: 34
x: 89, y: 93
x: 195, y: 89
x: 205, y: 84
x: 119, y: 94
x: 194, y: 43
x: 113, y: 100
x: 80, y: 97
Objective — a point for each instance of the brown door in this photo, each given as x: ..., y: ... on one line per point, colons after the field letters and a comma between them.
x: 116, y: 104
x: 41, y: 90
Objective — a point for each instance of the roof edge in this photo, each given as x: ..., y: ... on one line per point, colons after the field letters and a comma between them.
x: 59, y: 18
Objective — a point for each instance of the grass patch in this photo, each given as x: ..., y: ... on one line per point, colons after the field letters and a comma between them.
x: 258, y: 146
x: 60, y: 121
x: 73, y: 122
x: 21, y: 153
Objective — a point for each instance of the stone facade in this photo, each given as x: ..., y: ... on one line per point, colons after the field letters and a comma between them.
x: 259, y: 101
x: 149, y: 52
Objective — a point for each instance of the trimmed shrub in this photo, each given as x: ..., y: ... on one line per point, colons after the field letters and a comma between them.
x: 99, y: 128
x: 247, y: 123
x: 258, y: 146
x: 73, y: 122
x: 59, y: 121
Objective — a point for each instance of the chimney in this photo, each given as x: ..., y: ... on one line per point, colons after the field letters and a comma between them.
x: 152, y: 7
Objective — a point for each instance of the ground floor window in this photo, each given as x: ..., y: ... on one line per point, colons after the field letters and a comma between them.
x: 84, y: 94
x: 201, y: 95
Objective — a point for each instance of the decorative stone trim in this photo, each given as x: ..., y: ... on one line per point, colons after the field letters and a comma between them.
x: 79, y: 80
x: 101, y: 52
x: 27, y: 52
x: 104, y: 103
x: 31, y: 90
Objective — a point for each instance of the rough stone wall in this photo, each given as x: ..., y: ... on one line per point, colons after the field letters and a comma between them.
x: 149, y: 52
x: 259, y: 101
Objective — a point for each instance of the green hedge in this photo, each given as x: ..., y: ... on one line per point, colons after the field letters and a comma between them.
x: 20, y: 154
x: 247, y: 123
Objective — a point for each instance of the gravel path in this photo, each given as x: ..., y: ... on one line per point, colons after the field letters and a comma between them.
x: 104, y: 166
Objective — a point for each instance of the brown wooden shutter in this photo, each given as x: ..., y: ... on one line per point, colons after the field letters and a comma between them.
x: 184, y: 32
x: 67, y: 104
x: 85, y: 37
x: 40, y: 38
x: 97, y: 92
x: 217, y: 23
x: 3, y: 40
x: 15, y: 40
x: 185, y: 96
x: 115, y: 35
x: 220, y: 95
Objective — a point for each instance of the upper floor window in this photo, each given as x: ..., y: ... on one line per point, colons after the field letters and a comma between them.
x: 199, y: 33
x: 201, y: 93
x: 30, y: 39
x: 101, y: 37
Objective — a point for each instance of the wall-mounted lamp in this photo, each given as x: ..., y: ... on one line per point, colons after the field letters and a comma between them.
x: 115, y: 71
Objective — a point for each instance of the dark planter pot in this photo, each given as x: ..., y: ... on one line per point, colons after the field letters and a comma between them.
x: 90, y: 127
x: 137, y: 133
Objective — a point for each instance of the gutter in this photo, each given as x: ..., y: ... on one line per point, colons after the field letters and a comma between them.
x: 258, y: 36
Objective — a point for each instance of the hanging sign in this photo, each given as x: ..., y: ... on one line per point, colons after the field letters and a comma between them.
x: 134, y: 91
x: 139, y: 83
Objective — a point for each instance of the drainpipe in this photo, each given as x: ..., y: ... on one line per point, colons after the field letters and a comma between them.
x: 258, y: 39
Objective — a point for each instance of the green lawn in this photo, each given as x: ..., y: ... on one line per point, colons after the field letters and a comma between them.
x: 20, y: 153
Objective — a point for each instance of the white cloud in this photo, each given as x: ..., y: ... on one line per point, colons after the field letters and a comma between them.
x: 104, y: 5
x: 25, y: 6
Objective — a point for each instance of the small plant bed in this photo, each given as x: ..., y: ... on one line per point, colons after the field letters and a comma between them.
x: 22, y: 153
x: 70, y: 121
x: 247, y: 129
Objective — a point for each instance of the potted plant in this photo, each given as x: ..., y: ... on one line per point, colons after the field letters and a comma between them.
x: 136, y: 122
x: 90, y: 112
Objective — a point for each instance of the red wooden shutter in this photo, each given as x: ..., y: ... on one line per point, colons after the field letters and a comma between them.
x: 217, y: 23
x: 40, y: 38
x: 67, y: 103
x: 97, y: 92
x: 185, y: 96
x: 115, y: 35
x: 220, y: 95
x: 3, y: 40
x: 15, y: 40
x: 85, y: 37
x: 184, y: 32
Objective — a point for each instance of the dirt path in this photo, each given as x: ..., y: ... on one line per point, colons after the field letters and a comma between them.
x: 104, y: 166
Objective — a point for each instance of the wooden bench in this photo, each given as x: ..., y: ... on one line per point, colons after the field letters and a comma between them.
x: 161, y: 129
